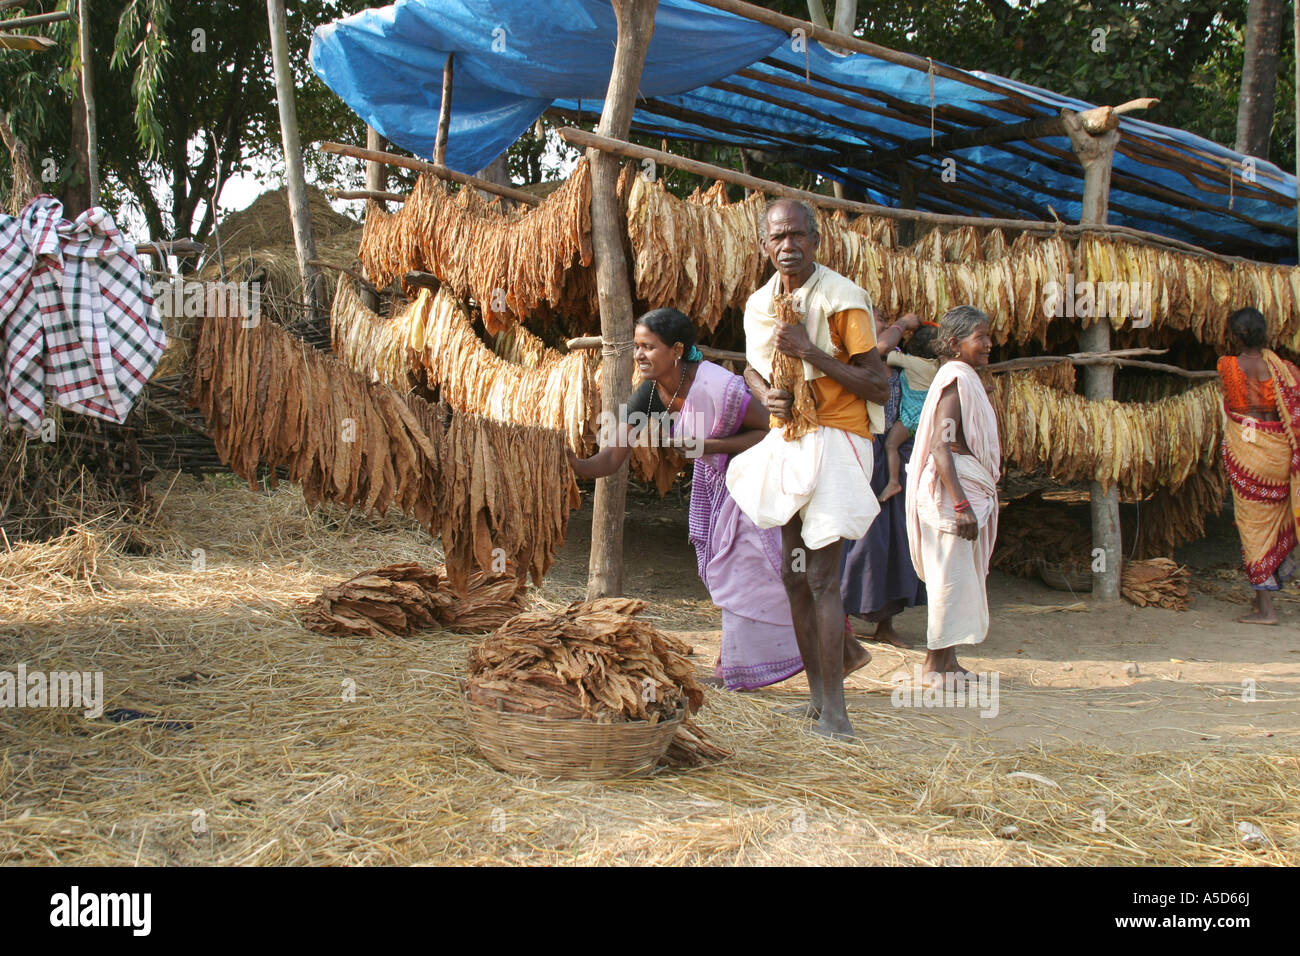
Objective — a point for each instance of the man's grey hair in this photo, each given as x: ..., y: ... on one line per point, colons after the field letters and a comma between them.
x: 958, y: 323
x: 810, y: 214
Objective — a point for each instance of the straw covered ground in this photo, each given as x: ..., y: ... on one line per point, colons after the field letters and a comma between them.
x: 248, y: 747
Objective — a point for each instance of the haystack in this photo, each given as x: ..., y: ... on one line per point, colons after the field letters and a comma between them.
x: 257, y: 246
x: 265, y: 222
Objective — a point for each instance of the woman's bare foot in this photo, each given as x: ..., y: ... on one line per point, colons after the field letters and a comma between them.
x: 1258, y: 617
x: 886, y: 634
x: 890, y: 490
x: 939, y: 664
x: 1262, y: 611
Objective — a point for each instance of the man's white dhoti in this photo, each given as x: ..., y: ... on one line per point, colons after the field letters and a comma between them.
x: 955, y: 570
x: 824, y: 477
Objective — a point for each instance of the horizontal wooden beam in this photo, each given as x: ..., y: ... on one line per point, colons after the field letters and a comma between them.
x: 365, y: 194
x: 35, y: 20
x: 618, y: 147
x: 423, y: 280
x: 1117, y: 357
x: 840, y: 41
x: 15, y: 41
x: 715, y: 355
x: 171, y: 247
x: 423, y: 166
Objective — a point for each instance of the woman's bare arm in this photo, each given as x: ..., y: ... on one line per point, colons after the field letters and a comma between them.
x: 947, y: 424
x: 609, y: 459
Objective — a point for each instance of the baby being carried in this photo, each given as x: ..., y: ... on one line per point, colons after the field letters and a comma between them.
x: 917, y: 365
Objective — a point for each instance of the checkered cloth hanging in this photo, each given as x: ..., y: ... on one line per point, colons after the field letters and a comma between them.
x: 76, y: 315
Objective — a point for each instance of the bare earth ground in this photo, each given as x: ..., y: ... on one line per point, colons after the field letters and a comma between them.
x: 1086, y: 760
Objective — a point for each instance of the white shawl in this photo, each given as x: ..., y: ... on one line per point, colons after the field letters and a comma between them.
x: 826, y: 293
x: 980, y: 427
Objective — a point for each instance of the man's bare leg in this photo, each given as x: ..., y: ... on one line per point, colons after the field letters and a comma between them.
x: 824, y: 583
x: 794, y: 564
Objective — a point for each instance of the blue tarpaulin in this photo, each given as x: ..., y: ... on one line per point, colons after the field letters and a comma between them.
x: 720, y: 78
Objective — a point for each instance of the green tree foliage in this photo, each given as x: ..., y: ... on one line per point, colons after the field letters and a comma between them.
x: 185, y: 98
x: 1186, y: 53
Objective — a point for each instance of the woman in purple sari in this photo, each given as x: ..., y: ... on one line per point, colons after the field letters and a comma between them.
x: 707, y: 412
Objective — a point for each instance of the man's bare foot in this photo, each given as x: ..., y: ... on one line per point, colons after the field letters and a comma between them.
x: 890, y: 490
x: 1259, y: 617
x: 855, y: 656
x: 839, y: 729
x: 886, y: 634
x: 801, y: 711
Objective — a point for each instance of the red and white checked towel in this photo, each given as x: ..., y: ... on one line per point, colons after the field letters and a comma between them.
x: 76, y: 315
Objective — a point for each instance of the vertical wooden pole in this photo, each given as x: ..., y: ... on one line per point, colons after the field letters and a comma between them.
x: 88, y: 94
x: 635, y: 27
x: 444, y: 114
x: 376, y: 181
x: 376, y: 173
x: 1096, y: 153
x: 299, y: 214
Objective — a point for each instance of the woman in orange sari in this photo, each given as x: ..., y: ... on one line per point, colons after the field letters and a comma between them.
x: 1261, y: 451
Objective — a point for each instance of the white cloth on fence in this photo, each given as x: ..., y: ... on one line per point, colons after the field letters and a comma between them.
x: 76, y: 315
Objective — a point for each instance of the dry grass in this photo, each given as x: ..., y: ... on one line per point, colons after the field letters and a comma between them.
x: 279, y: 768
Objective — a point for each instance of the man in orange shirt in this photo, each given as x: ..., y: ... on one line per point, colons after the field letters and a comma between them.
x: 817, y: 488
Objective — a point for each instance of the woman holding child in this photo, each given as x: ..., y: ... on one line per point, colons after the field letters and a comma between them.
x: 877, y: 580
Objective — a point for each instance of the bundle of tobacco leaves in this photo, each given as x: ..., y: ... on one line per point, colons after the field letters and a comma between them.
x: 399, y: 599
x: 1158, y: 582
x: 593, y: 660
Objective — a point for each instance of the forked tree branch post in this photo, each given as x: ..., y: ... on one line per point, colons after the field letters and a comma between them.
x: 636, y: 21
x: 1096, y: 153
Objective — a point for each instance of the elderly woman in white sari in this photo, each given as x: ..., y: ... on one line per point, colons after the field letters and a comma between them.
x: 952, y: 496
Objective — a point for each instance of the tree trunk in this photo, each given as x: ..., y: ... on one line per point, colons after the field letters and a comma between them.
x: 1259, y: 77
x: 75, y: 194
x: 88, y: 95
x: 846, y: 16
x: 313, y: 285
x: 636, y: 20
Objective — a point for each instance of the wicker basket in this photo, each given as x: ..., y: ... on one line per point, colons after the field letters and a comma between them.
x: 1066, y: 577
x: 570, y: 749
